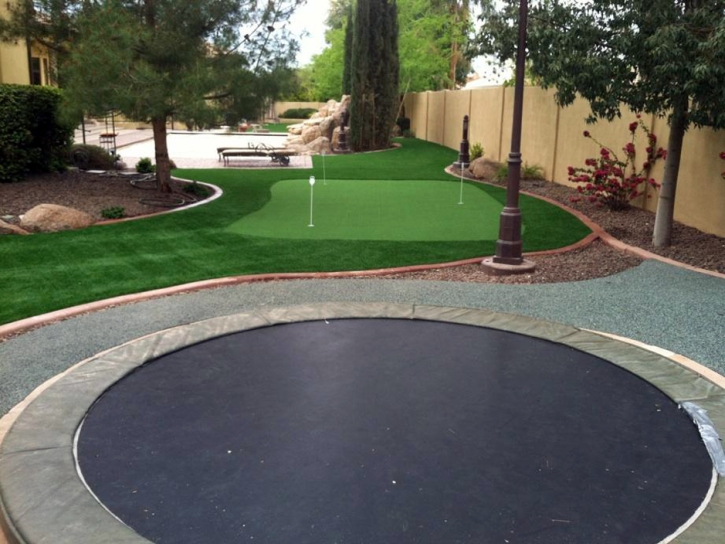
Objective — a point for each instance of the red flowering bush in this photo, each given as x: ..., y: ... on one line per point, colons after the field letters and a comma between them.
x: 611, y: 181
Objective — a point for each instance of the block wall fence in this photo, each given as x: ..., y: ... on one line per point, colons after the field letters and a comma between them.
x: 552, y: 137
x: 280, y: 107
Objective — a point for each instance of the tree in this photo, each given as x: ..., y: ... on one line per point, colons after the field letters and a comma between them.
x: 326, y: 68
x: 151, y: 59
x: 374, y: 99
x: 459, y: 25
x: 347, y: 55
x: 663, y: 57
x: 424, y: 46
x: 428, y: 33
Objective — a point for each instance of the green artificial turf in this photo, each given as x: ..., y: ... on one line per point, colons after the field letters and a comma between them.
x: 46, y: 272
x: 277, y: 127
x: 404, y: 210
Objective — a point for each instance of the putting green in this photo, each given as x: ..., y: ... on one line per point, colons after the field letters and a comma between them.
x: 402, y: 210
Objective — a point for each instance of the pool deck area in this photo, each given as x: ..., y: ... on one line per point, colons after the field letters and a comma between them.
x: 134, y: 144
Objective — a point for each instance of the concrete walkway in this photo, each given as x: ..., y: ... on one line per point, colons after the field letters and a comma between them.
x: 655, y: 303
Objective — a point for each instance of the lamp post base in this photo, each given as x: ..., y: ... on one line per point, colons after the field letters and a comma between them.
x: 493, y: 268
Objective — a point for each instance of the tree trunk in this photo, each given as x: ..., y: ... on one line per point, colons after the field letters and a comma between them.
x: 163, y: 166
x: 454, y: 64
x: 662, y: 235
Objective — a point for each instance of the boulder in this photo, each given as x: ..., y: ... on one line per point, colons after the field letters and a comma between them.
x: 9, y: 228
x: 327, y: 126
x: 335, y: 140
x: 52, y: 218
x: 329, y: 108
x: 295, y: 129
x: 311, y: 133
x: 300, y: 150
x: 320, y: 145
x: 483, y: 168
x: 316, y: 134
x: 294, y: 140
x: 343, y: 105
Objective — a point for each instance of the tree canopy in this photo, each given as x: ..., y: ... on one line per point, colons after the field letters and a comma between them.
x: 151, y: 59
x: 665, y: 57
x: 433, y: 43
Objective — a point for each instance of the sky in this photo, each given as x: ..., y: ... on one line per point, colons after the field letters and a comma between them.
x: 311, y: 18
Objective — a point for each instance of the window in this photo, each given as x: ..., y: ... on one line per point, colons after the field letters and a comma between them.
x: 35, y: 75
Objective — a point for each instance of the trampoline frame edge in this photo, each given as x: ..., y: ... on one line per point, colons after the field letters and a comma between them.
x: 28, y: 436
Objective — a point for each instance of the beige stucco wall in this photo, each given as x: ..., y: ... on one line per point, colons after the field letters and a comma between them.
x: 416, y: 109
x: 14, y: 63
x: 485, y: 120
x: 281, y: 107
x: 553, y: 139
x: 458, y: 104
x: 700, y: 199
x: 14, y: 58
x: 538, y: 128
x: 436, y: 116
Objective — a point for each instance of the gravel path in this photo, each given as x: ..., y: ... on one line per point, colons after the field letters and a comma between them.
x: 656, y: 303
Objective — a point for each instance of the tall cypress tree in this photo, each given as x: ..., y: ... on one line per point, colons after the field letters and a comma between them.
x: 347, y: 69
x: 375, y: 70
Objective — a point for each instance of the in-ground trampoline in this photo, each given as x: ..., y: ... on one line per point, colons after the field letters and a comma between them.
x: 365, y: 424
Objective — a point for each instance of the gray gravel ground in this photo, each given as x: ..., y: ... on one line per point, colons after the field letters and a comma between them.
x: 655, y: 303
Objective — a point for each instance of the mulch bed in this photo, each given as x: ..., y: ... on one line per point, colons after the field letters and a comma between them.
x: 90, y: 193
x: 634, y: 226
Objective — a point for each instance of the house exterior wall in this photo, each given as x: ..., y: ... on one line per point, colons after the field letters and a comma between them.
x: 15, y: 62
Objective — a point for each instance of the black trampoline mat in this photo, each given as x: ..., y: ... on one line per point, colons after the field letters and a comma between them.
x: 373, y: 431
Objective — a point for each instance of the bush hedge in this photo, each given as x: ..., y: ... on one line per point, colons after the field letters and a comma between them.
x: 403, y: 123
x: 91, y: 157
x: 32, y: 137
x: 298, y: 113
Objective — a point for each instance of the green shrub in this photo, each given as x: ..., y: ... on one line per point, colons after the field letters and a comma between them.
x: 410, y: 133
x: 298, y: 113
x: 534, y: 172
x: 502, y: 173
x: 145, y: 166
x: 32, y: 137
x: 476, y: 152
x: 197, y: 189
x: 403, y: 123
x: 91, y: 157
x: 114, y: 212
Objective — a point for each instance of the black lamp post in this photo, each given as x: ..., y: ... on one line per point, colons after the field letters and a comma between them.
x: 508, y: 258
x: 464, y: 158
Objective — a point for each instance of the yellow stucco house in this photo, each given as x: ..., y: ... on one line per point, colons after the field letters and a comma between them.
x: 23, y: 63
